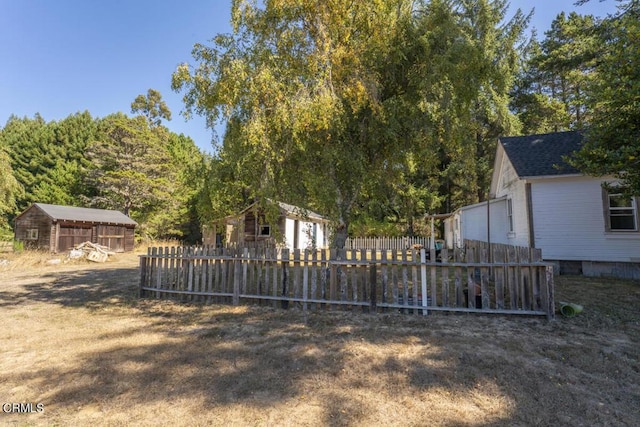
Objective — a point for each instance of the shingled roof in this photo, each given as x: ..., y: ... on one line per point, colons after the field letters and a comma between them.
x: 70, y: 213
x: 290, y: 209
x: 542, y: 155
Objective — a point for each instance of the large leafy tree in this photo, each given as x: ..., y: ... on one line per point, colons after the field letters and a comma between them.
x: 333, y: 104
x: 613, y: 140
x: 9, y: 189
x: 299, y: 80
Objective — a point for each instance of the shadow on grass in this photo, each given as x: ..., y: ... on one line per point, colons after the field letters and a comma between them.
x: 501, y: 371
x: 83, y: 288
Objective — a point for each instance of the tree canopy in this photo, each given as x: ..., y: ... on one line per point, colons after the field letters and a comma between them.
x: 612, y: 144
x: 335, y: 104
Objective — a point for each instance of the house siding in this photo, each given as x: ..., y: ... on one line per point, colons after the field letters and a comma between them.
x: 569, y: 223
x: 512, y: 187
x: 34, y: 218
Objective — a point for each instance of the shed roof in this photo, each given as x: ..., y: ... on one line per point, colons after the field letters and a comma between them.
x: 542, y: 155
x: 301, y: 212
x: 71, y: 213
x: 288, y: 209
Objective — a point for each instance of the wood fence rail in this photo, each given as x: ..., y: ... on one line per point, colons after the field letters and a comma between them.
x: 367, y: 280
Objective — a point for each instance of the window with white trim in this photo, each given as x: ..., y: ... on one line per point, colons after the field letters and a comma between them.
x: 510, y: 215
x: 621, y: 213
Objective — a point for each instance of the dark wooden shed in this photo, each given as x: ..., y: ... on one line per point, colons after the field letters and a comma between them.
x: 60, y: 228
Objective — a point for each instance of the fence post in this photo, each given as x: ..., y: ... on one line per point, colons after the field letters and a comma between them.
x: 160, y: 263
x: 423, y: 279
x: 143, y: 275
x: 333, y: 279
x: 549, y: 287
x: 305, y: 278
x: 237, y: 270
x: 373, y: 302
x: 285, y: 278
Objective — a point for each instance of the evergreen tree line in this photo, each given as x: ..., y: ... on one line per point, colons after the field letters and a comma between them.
x: 372, y: 113
x: 133, y: 164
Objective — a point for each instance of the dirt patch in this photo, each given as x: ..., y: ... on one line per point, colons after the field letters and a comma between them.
x: 77, y: 340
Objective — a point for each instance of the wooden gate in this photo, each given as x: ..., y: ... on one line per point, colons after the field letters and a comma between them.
x: 72, y: 235
x: 111, y: 236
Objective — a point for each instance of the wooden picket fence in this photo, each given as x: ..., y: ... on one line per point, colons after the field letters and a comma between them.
x: 388, y: 243
x: 406, y: 281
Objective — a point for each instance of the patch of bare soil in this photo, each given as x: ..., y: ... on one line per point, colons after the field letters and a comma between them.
x: 77, y: 340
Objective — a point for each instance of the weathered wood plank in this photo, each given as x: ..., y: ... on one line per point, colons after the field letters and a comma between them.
x: 285, y: 278
x: 274, y: 269
x: 296, y: 284
x: 423, y: 280
x: 414, y: 279
x: 525, y: 279
x: 394, y: 278
x: 434, y: 278
x: 472, y: 288
x: 458, y: 287
x: 237, y: 278
x: 354, y: 277
x: 484, y: 280
x: 499, y: 256
x: 513, y: 278
x: 305, y: 279
x: 385, y: 277
x: 342, y: 275
x: 445, y: 280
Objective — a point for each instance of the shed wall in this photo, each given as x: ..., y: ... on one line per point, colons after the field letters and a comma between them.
x: 35, y: 219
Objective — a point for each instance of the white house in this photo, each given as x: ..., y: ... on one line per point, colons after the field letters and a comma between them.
x: 294, y: 228
x: 541, y: 201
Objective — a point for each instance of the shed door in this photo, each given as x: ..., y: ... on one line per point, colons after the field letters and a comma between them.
x: 71, y: 236
x: 111, y: 236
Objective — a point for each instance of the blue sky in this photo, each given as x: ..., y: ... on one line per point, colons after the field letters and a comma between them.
x: 59, y: 57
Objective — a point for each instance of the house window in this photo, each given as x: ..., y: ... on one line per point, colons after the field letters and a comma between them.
x: 265, y: 230
x: 621, y: 213
x: 32, y: 234
x: 510, y: 215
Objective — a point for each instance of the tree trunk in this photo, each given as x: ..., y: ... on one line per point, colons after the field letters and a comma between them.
x: 340, y: 236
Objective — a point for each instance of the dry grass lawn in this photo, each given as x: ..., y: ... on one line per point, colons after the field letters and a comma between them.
x: 76, y: 339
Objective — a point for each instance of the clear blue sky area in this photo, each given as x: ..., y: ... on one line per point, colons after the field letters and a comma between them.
x: 59, y: 57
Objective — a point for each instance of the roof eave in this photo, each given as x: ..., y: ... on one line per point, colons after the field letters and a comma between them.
x: 540, y: 177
